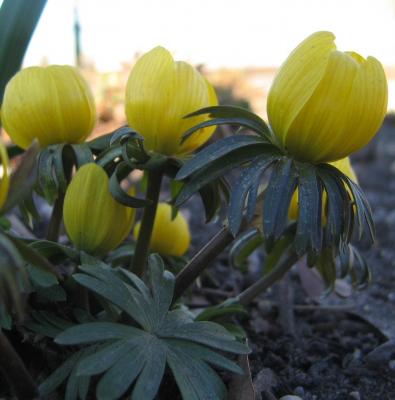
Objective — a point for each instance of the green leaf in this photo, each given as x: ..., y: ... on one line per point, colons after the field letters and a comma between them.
x: 58, y: 376
x: 211, y: 198
x: 245, y: 244
x: 309, y: 232
x: 109, y: 155
x: 337, y: 199
x: 116, y: 381
x: 196, y: 380
x: 215, y: 151
x: 82, y: 154
x: 247, y: 179
x: 151, y: 375
x: 278, y: 196
x: 97, y: 331
x: 232, y: 112
x: 41, y: 277
x: 219, y: 167
x: 205, y: 354
x: 33, y: 257
x: 46, y: 180
x: 100, y: 143
x: 18, y: 20
x: 23, y: 178
x: 105, y: 357
x: 133, y: 356
x: 119, y: 194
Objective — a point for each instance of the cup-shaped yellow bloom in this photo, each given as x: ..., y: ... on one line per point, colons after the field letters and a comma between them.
x: 342, y: 165
x: 53, y: 104
x: 325, y: 104
x: 4, y: 177
x: 159, y: 93
x: 94, y: 221
x: 169, y: 237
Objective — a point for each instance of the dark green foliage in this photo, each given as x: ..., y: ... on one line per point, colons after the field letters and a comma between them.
x: 18, y: 19
x: 137, y: 353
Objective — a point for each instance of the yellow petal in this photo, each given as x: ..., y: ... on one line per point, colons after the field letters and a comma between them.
x: 159, y: 93
x: 94, y: 221
x: 53, y: 104
x: 325, y: 113
x: 297, y: 79
x: 4, y: 181
x: 169, y: 237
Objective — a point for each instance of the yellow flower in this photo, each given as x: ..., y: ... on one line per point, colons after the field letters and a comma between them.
x: 94, y: 221
x: 159, y: 93
x: 342, y: 165
x: 169, y: 237
x: 53, y: 104
x: 4, y: 178
x: 325, y: 104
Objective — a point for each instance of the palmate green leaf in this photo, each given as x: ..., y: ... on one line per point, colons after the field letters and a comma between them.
x: 18, y: 20
x: 134, y: 357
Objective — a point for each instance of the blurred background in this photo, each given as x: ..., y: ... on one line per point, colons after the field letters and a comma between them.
x: 238, y: 45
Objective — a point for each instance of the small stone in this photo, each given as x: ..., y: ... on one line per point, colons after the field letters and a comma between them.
x: 299, y: 391
x: 355, y: 395
x: 391, y: 297
x: 290, y: 397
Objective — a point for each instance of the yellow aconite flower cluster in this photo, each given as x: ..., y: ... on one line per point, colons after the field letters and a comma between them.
x: 94, y: 220
x: 4, y: 178
x: 169, y: 237
x: 159, y: 93
x: 342, y: 165
x: 53, y: 104
x: 325, y: 104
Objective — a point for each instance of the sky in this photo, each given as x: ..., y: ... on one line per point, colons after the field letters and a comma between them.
x: 218, y: 33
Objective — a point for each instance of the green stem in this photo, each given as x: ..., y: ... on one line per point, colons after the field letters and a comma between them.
x: 56, y: 219
x: 139, y: 262
x: 57, y: 212
x: 268, y: 280
x: 201, y: 261
x: 15, y: 371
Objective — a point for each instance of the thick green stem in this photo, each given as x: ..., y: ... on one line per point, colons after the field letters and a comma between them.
x: 201, y: 261
x: 268, y: 280
x: 139, y: 262
x: 15, y: 371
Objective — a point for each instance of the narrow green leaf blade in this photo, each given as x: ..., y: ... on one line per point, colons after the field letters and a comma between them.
x: 97, y: 331
x: 18, y: 19
x: 214, y: 151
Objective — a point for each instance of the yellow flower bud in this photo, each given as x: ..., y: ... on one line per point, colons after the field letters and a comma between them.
x: 94, y: 220
x: 4, y: 178
x: 325, y: 104
x: 159, y: 93
x: 53, y: 104
x: 342, y: 165
x: 169, y: 237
